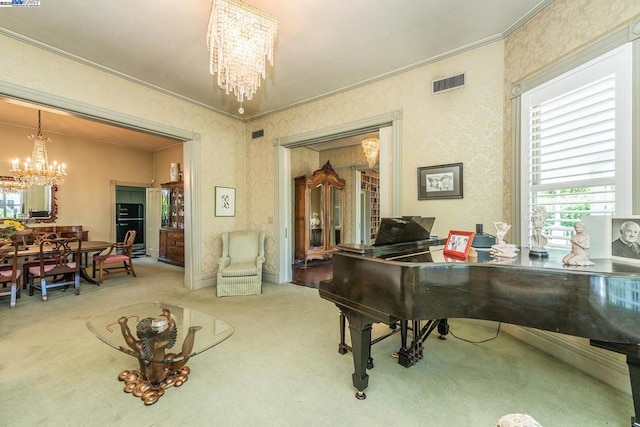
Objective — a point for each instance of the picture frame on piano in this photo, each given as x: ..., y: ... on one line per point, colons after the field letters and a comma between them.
x: 440, y: 182
x: 458, y: 244
x: 625, y: 238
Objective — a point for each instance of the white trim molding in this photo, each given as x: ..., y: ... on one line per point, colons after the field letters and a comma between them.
x: 283, y: 171
x: 606, y: 366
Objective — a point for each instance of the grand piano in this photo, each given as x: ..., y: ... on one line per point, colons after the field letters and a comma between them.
x: 408, y: 283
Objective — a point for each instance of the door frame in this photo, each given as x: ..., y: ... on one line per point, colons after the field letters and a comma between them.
x: 390, y: 171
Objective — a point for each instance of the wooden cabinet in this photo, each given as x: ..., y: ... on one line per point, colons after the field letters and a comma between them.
x: 171, y: 248
x: 319, y: 214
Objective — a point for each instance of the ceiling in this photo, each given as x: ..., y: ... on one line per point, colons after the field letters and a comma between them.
x: 323, y: 47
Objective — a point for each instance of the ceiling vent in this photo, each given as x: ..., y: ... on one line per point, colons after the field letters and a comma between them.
x: 449, y: 83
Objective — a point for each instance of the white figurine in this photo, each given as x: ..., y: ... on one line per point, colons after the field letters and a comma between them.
x: 502, y: 249
x: 579, y: 244
x: 315, y: 221
x: 501, y: 231
x: 538, y: 218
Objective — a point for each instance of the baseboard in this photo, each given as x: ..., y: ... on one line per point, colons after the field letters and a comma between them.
x: 269, y: 277
x: 608, y: 367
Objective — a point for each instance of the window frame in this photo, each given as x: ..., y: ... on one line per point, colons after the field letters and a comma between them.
x: 616, y: 63
x: 612, y: 41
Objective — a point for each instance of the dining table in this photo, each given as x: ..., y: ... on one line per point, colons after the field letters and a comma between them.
x: 31, y: 253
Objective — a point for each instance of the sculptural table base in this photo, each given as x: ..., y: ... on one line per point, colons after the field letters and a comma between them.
x: 153, y: 342
x: 136, y: 383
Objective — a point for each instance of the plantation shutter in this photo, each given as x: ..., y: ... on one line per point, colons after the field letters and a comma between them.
x: 570, y: 149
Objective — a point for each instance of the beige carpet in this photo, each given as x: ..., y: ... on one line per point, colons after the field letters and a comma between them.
x: 280, y: 368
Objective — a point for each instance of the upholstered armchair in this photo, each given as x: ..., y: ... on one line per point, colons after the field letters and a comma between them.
x: 240, y: 267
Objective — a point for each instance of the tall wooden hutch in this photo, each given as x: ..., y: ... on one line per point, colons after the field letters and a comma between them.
x: 172, y: 224
x: 319, y: 214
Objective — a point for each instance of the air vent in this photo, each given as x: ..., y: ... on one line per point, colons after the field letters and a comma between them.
x: 257, y: 134
x: 449, y: 83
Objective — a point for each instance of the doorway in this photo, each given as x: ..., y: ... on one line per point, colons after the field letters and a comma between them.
x: 131, y: 215
x: 389, y: 125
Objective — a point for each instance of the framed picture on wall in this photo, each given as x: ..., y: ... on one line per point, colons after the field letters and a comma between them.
x: 458, y: 243
x: 225, y: 201
x: 440, y: 182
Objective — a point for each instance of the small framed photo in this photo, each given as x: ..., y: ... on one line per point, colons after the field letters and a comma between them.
x: 440, y: 182
x: 225, y: 201
x: 458, y: 243
x: 625, y: 238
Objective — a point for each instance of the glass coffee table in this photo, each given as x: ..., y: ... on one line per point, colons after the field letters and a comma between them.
x: 162, y: 337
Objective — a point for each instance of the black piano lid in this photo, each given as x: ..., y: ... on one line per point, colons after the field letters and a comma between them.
x: 395, y: 231
x: 405, y: 229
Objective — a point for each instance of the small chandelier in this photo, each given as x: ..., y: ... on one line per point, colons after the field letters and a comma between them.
x: 371, y: 146
x: 240, y: 39
x: 9, y: 185
x: 36, y: 170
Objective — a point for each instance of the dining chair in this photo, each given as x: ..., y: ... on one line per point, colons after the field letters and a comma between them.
x: 9, y: 272
x: 118, y: 253
x: 28, y: 261
x: 58, y: 266
x: 39, y: 237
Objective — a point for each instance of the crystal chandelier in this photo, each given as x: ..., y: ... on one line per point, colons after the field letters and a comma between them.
x: 371, y: 146
x: 9, y: 185
x: 36, y: 170
x: 240, y: 40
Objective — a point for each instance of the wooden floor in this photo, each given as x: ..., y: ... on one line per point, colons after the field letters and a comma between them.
x: 312, y: 274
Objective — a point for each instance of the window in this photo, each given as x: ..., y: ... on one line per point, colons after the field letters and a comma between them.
x: 11, y: 205
x: 576, y: 146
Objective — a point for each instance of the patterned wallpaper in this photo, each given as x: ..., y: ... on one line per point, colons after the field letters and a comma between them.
x: 463, y: 125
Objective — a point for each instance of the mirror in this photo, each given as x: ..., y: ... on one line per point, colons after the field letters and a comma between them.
x: 335, y: 215
x: 37, y: 203
x: 316, y: 209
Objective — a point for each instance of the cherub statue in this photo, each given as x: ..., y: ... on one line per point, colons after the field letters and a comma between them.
x: 579, y: 244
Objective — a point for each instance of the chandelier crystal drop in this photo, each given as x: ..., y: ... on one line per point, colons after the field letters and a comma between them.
x: 371, y: 147
x: 240, y: 41
x: 36, y: 170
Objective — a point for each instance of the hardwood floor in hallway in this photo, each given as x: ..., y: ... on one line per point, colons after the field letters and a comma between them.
x: 313, y: 273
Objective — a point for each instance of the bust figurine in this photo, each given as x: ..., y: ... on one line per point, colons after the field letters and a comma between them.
x: 538, y: 240
x: 579, y: 244
x: 315, y: 220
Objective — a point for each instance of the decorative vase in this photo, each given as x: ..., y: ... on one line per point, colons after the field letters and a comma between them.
x: 174, y: 172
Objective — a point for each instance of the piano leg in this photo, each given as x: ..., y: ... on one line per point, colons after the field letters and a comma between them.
x: 443, y: 328
x: 634, y: 376
x: 360, y: 330
x: 632, y: 351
